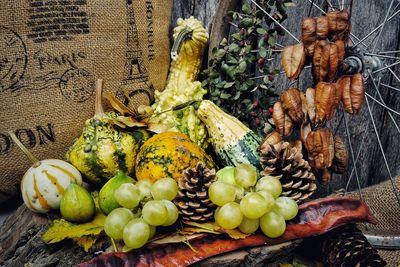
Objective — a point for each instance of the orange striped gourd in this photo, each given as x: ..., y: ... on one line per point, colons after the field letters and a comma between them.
x: 45, y: 182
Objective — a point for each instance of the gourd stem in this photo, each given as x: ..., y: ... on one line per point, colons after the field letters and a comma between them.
x: 98, y: 108
x: 27, y: 153
x: 186, y: 33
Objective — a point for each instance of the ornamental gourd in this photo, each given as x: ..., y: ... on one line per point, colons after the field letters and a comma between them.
x: 105, y: 145
x: 233, y: 142
x: 45, y: 182
x: 168, y: 154
x: 190, y: 41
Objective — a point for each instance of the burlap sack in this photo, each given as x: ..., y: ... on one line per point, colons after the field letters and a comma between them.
x: 51, y: 52
x: 384, y: 206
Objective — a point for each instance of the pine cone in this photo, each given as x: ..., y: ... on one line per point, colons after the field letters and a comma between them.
x: 287, y: 163
x: 192, y: 200
x: 347, y: 246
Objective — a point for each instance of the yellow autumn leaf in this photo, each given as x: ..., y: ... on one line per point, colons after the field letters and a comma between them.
x: 86, y: 241
x: 201, y: 227
x: 212, y: 228
x: 235, y: 234
x: 62, y: 229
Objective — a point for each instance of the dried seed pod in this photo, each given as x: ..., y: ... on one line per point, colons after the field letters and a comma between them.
x: 282, y: 121
x: 327, y: 98
x: 309, y: 35
x: 338, y: 21
x: 308, y: 103
x: 320, y: 147
x: 341, y: 50
x: 305, y: 129
x: 325, y: 61
x: 291, y: 103
x: 318, y: 69
x: 322, y: 27
x: 341, y: 158
x: 353, y: 92
x: 271, y: 139
x: 325, y: 176
x: 293, y: 60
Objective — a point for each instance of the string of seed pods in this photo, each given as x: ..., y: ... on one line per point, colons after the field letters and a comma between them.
x: 324, y: 42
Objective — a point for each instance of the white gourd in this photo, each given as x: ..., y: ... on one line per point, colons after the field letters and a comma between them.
x: 43, y: 185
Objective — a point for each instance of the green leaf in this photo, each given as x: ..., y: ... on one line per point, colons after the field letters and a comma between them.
x: 224, y: 42
x: 237, y: 36
x: 237, y: 95
x: 231, y: 60
x: 220, y: 53
x: 271, y: 40
x: 261, y: 31
x: 246, y: 8
x: 242, y: 67
x: 228, y: 84
x: 246, y: 22
x: 225, y: 95
x: 262, y: 51
x: 233, y: 47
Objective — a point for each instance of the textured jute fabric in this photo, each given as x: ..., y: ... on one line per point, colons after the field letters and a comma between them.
x: 383, y: 204
x: 51, y: 53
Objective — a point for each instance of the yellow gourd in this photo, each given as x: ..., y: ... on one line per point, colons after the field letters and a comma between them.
x: 45, y: 182
x: 168, y: 154
x: 190, y: 40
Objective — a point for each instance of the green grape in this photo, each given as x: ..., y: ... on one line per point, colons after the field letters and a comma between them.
x: 221, y: 193
x: 249, y: 226
x: 272, y: 224
x: 226, y: 175
x: 165, y: 188
x: 173, y: 213
x: 245, y: 175
x: 269, y: 200
x: 270, y: 184
x: 153, y: 231
x: 253, y: 205
x: 127, y: 195
x: 286, y: 207
x: 136, y: 233
x: 144, y: 188
x: 116, y: 221
x: 229, y: 216
x: 125, y: 248
x: 154, y: 212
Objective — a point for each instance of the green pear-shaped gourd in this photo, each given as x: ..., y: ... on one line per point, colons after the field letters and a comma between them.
x: 77, y: 205
x: 107, y: 200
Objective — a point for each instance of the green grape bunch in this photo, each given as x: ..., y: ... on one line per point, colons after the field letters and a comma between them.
x: 257, y: 206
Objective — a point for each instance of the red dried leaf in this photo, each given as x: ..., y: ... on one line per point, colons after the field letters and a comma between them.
x: 314, y: 218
